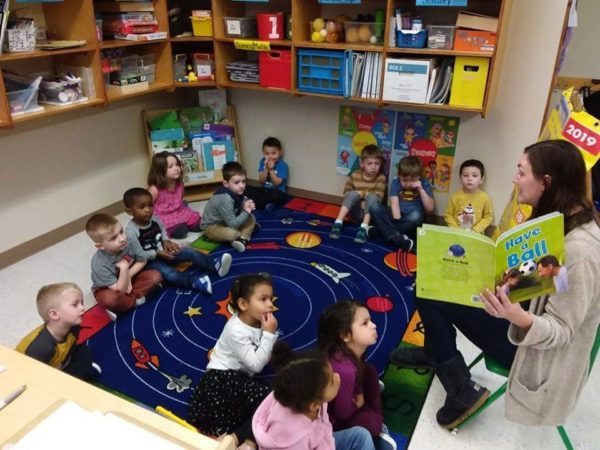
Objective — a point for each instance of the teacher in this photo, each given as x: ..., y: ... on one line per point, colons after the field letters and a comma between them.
x: 546, y: 347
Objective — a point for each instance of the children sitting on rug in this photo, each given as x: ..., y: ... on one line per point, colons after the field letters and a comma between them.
x: 118, y: 281
x: 470, y: 208
x: 165, y: 184
x: 273, y: 173
x: 294, y: 415
x: 55, y: 342
x: 345, y: 333
x: 227, y: 395
x: 411, y: 196
x: 163, y: 254
x: 228, y: 214
x: 364, y: 188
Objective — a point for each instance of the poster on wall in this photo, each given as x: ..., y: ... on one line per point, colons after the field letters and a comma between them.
x: 431, y: 138
x: 359, y: 127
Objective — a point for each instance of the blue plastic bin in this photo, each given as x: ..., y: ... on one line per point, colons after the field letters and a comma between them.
x: 411, y: 40
x: 321, y: 71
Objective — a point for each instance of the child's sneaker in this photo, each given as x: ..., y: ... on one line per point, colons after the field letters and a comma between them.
x: 381, y: 386
x: 140, y: 301
x: 223, y: 264
x: 203, y: 285
x: 111, y: 315
x: 97, y: 369
x: 336, y: 231
x: 361, y: 236
x: 386, y: 442
x: 240, y: 244
x: 405, y: 243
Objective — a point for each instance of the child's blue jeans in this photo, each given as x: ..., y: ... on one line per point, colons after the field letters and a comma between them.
x: 355, y: 438
x: 391, y: 229
x: 174, y: 276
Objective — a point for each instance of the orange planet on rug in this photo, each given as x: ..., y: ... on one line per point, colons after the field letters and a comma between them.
x: 303, y: 239
x: 411, y: 260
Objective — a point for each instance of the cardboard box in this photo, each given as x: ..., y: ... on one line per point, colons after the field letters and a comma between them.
x: 475, y: 40
x: 476, y: 22
x: 469, y: 81
x: 406, y: 80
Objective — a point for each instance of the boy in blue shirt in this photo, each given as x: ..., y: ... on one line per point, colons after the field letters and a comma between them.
x: 273, y: 173
x: 411, y: 196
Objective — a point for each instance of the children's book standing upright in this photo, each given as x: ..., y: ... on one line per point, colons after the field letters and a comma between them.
x: 456, y: 265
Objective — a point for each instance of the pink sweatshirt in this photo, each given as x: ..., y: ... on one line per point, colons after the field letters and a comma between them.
x: 277, y: 427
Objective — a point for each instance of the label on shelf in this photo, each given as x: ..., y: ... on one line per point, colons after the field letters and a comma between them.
x: 441, y: 3
x: 251, y: 45
x: 341, y: 2
x: 194, y: 177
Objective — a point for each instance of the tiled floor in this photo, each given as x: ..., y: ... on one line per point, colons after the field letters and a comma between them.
x: 69, y: 261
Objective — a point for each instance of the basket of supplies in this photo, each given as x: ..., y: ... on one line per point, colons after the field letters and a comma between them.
x: 411, y: 39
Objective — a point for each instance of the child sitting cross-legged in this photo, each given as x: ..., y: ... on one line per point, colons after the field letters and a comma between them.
x: 55, y: 342
x: 294, y: 416
x: 118, y: 281
x: 364, y: 188
x: 345, y: 333
x: 411, y: 196
x: 227, y: 395
x: 470, y: 208
x: 228, y: 214
x: 161, y: 253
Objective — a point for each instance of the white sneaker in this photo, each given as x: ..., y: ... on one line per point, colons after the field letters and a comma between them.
x: 140, y: 301
x: 112, y: 315
x: 381, y: 386
x: 222, y: 265
x: 386, y: 442
x: 97, y: 368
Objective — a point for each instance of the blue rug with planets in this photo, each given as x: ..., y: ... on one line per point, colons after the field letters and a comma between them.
x: 157, y: 353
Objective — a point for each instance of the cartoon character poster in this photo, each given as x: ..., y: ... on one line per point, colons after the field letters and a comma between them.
x: 433, y: 140
x: 359, y: 127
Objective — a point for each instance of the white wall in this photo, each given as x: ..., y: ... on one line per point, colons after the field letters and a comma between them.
x: 582, y: 57
x: 58, y: 170
x: 308, y: 126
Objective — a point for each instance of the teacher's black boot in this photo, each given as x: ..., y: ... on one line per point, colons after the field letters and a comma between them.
x: 464, y: 396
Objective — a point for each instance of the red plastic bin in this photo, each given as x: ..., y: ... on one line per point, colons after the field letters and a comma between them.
x: 275, y: 69
x: 271, y: 26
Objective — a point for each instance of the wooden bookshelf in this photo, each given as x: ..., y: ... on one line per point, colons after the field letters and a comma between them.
x: 75, y: 20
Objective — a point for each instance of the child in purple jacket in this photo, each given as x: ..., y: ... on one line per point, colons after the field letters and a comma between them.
x: 345, y: 333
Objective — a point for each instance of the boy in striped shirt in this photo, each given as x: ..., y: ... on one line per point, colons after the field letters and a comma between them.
x: 364, y: 188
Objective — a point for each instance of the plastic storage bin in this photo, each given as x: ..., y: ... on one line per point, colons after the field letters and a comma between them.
x: 23, y: 100
x: 363, y: 32
x: 202, y: 24
x: 240, y: 26
x: 321, y: 71
x: 440, y: 36
x: 271, y: 26
x: 407, y: 39
x: 275, y: 69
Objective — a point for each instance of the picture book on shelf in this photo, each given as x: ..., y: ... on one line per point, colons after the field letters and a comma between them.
x: 216, y: 154
x: 189, y: 161
x: 456, y: 265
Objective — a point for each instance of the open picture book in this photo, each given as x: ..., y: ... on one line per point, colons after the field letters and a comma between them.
x: 456, y: 265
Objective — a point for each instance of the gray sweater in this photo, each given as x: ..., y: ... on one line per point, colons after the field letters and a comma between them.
x: 222, y: 210
x: 552, y: 361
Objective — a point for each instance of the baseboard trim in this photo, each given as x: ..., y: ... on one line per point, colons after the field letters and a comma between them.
x: 52, y: 237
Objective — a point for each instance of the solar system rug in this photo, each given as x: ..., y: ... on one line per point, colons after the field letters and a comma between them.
x: 157, y: 353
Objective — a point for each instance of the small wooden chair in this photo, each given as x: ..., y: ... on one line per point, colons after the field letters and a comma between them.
x: 495, y: 367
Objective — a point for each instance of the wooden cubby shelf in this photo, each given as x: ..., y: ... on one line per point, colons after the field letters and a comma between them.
x: 75, y: 20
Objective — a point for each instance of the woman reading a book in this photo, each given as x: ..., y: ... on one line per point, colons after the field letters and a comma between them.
x: 548, y: 342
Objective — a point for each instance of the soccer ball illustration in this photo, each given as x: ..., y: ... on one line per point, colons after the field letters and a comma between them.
x: 527, y: 268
